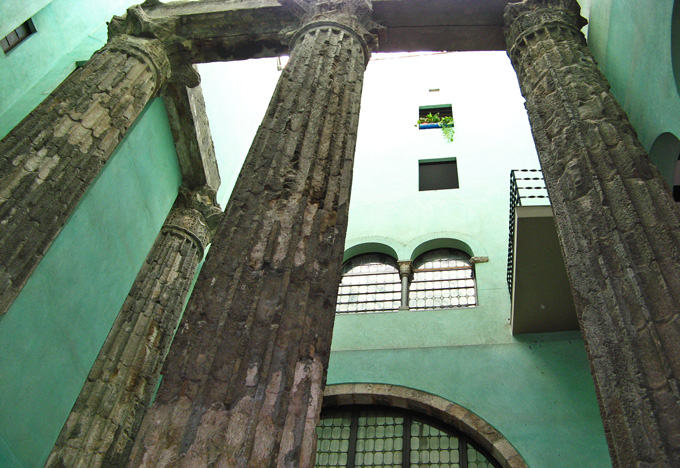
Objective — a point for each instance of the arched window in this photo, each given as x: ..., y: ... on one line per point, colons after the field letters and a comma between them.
x: 370, y: 283
x: 442, y: 279
x: 361, y: 437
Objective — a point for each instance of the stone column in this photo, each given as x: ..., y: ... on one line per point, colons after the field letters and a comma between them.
x: 405, y: 273
x: 243, y: 382
x: 618, y: 226
x: 101, y: 428
x: 50, y: 158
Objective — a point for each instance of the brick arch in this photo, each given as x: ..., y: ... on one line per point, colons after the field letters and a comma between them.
x: 430, y: 405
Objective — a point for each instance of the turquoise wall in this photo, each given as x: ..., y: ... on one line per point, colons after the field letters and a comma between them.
x: 67, y: 31
x: 631, y: 41
x: 51, y: 335
x: 537, y: 393
x: 16, y: 12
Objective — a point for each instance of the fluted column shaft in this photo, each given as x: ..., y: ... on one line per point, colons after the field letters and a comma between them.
x: 49, y: 159
x: 618, y: 226
x: 243, y: 382
x: 102, y: 426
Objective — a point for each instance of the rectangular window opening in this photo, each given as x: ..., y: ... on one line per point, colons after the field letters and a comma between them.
x: 438, y: 174
x: 431, y: 116
x: 17, y: 36
x: 444, y: 110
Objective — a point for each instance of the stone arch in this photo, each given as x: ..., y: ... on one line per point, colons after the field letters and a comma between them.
x: 441, y: 243
x: 430, y: 405
x: 370, y: 247
x: 664, y: 154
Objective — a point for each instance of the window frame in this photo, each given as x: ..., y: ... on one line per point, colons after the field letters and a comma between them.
x: 465, y: 257
x: 27, y: 27
x: 406, y: 281
x: 396, y: 290
x: 464, y: 440
x: 423, y: 163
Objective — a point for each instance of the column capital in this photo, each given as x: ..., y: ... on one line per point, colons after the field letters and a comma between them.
x: 524, y: 18
x: 353, y: 16
x: 177, y: 49
x: 194, y: 215
x: 147, y: 50
x: 405, y: 268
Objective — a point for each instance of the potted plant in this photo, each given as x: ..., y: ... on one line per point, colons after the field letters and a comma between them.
x: 434, y: 121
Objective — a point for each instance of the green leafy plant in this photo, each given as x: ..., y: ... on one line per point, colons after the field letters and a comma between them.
x: 446, y: 123
x: 447, y: 127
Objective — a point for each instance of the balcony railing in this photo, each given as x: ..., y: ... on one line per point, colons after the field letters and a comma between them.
x: 527, y: 188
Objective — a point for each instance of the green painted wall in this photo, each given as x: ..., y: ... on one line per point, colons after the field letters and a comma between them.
x: 538, y: 394
x: 67, y: 31
x: 16, y: 12
x: 51, y: 335
x: 632, y: 42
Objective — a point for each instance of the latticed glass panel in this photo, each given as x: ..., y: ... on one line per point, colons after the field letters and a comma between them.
x: 477, y: 460
x: 366, y: 438
x: 442, y: 279
x: 380, y: 440
x: 370, y: 283
x: 431, y: 447
x: 332, y: 445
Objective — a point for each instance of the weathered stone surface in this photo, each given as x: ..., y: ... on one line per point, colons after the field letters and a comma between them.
x: 50, y: 158
x: 243, y: 381
x: 618, y: 226
x: 191, y: 132
x: 220, y: 30
x: 165, y: 29
x: 102, y: 426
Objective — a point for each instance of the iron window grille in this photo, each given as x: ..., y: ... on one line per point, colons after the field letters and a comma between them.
x: 442, y: 279
x: 360, y: 437
x: 370, y: 283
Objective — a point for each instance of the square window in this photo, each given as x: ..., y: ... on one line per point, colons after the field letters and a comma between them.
x: 438, y: 174
x: 17, y: 36
x: 431, y: 116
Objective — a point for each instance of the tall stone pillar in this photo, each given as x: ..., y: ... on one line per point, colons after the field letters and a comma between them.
x: 243, y: 382
x: 618, y: 226
x: 49, y: 159
x: 102, y: 426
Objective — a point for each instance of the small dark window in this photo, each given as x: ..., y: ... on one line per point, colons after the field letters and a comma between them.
x: 17, y: 36
x: 438, y: 175
x: 444, y: 110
